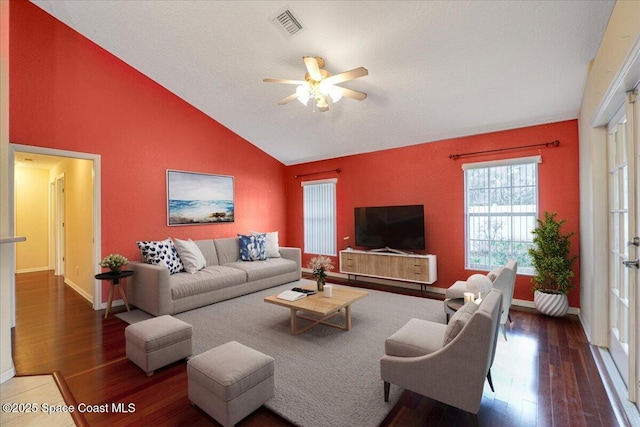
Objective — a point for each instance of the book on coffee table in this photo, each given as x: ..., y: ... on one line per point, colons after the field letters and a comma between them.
x: 291, y: 295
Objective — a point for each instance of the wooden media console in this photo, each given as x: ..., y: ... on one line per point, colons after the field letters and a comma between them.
x: 414, y: 268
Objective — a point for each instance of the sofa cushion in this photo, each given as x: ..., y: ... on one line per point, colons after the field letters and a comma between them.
x: 208, y: 279
x: 272, y: 244
x: 459, y: 319
x: 228, y: 249
x: 263, y: 269
x: 253, y: 248
x: 208, y: 250
x: 416, y: 338
x: 161, y: 253
x: 190, y: 255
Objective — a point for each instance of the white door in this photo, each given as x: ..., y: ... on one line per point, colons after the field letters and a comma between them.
x: 624, y: 244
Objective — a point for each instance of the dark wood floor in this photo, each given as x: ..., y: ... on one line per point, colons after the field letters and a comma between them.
x: 544, y: 375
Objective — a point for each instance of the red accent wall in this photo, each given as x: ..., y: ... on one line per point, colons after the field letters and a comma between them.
x: 68, y: 93
x: 424, y: 174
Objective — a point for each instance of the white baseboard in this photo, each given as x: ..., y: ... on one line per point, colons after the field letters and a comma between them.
x: 84, y: 294
x: 530, y: 304
x: 33, y: 269
x: 587, y: 329
x: 428, y: 288
x: 615, y: 387
x: 8, y: 374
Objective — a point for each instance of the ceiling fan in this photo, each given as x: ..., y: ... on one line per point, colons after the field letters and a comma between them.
x: 319, y: 85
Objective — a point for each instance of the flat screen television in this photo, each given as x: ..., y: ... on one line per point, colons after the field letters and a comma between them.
x: 390, y: 227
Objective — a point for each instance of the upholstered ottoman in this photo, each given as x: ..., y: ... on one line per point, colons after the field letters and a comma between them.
x: 154, y: 343
x: 230, y: 381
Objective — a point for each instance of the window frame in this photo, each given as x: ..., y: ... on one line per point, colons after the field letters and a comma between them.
x: 515, y: 237
x: 328, y: 245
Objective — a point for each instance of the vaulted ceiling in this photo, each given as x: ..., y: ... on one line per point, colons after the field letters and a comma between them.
x: 437, y: 69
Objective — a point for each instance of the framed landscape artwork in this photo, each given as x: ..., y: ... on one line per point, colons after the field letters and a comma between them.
x: 199, y: 198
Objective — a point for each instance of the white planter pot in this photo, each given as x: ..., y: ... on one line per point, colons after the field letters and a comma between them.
x: 555, y: 305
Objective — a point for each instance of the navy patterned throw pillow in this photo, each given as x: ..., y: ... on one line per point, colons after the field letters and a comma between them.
x: 161, y: 253
x: 253, y: 248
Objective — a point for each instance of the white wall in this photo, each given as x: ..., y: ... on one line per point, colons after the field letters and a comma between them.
x: 614, y: 71
x: 80, y: 266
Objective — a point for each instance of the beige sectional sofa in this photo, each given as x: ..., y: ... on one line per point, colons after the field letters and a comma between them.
x: 153, y: 289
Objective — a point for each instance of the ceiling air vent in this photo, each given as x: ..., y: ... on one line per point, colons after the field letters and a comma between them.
x: 287, y: 22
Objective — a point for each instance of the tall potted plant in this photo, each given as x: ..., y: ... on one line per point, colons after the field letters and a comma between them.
x: 553, y: 262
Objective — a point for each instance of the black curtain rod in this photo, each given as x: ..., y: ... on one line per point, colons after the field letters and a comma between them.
x: 544, y: 144
x: 316, y: 173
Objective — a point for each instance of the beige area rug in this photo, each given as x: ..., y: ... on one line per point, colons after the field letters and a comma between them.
x: 133, y: 316
x: 324, y: 376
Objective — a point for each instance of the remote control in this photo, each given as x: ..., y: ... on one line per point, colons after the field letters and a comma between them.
x: 304, y: 291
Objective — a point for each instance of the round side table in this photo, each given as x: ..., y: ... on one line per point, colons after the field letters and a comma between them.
x: 114, y: 278
x: 453, y: 304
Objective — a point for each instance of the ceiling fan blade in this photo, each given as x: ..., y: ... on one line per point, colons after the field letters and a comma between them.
x: 353, y: 94
x: 312, y: 67
x: 288, y: 99
x: 347, y: 75
x: 285, y: 81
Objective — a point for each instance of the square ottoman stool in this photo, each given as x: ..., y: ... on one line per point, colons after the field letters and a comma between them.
x: 157, y: 342
x: 230, y: 381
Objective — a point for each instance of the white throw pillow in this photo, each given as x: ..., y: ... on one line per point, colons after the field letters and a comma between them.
x: 273, y: 250
x: 190, y: 255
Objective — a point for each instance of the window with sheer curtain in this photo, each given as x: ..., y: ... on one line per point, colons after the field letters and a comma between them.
x: 319, y: 211
x: 501, y: 209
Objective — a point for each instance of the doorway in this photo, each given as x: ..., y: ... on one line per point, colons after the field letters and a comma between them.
x: 74, y: 231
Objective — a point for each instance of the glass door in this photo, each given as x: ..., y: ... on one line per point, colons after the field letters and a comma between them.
x: 623, y: 246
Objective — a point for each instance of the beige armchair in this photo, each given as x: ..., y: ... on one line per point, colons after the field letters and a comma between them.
x: 448, y: 363
x: 504, y: 279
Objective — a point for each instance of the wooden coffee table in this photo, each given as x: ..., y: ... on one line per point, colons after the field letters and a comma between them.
x: 320, y: 305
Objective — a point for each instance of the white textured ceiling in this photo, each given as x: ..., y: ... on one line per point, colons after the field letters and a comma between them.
x: 437, y: 69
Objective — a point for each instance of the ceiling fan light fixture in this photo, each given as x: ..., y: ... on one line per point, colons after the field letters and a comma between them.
x: 320, y: 85
x: 335, y: 94
x: 325, y: 87
x: 321, y: 104
x: 302, y: 93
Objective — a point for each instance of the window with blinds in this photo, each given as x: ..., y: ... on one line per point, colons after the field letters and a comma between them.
x: 319, y: 211
x: 501, y: 210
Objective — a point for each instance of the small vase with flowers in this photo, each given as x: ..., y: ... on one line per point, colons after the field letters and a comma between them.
x: 320, y: 265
